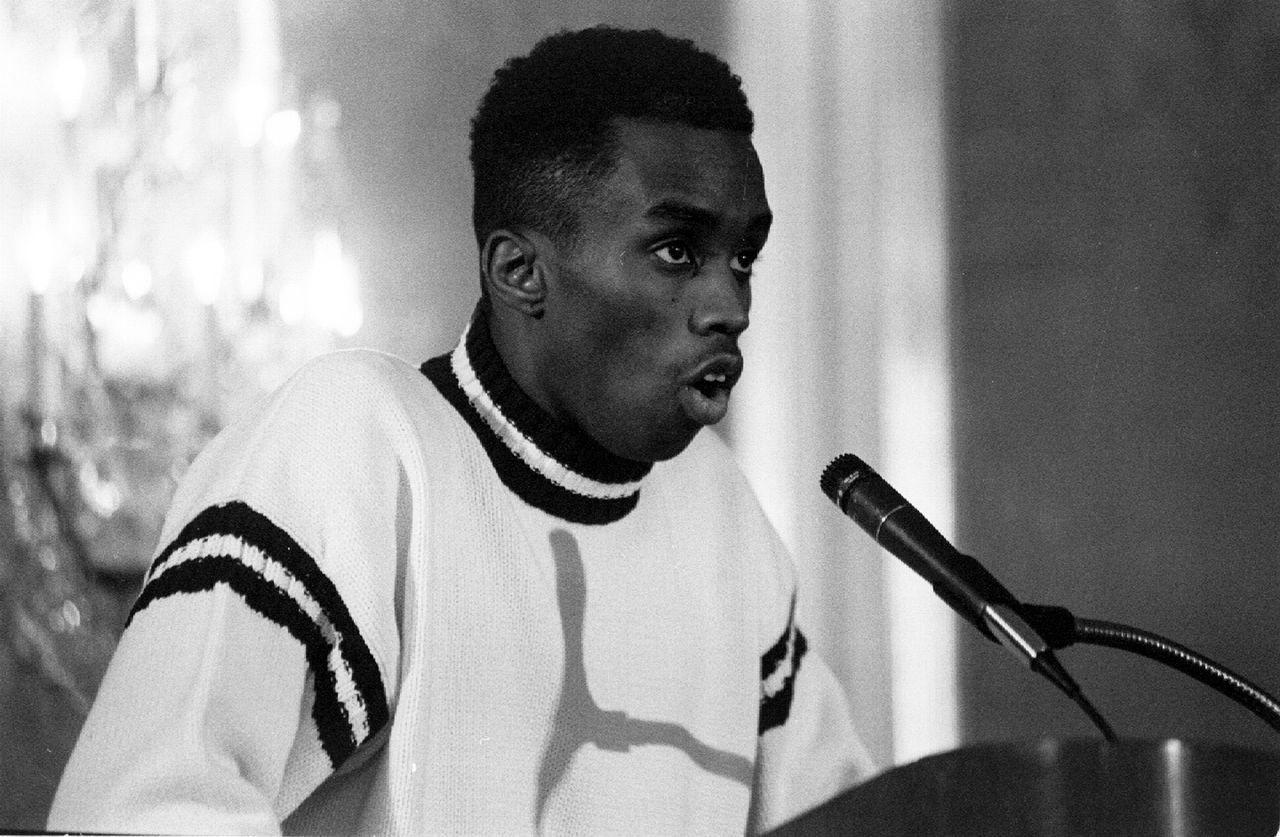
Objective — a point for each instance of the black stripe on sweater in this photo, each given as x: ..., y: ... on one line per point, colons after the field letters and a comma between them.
x: 567, y: 445
x: 237, y: 520
x: 776, y: 708
x: 523, y: 481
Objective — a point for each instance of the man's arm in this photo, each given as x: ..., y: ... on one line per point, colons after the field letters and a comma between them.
x: 192, y: 726
x: 814, y: 753
x: 261, y: 651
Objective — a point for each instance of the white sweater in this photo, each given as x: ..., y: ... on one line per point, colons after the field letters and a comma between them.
x: 408, y: 603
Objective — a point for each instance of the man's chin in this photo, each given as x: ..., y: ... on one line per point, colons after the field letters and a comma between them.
x: 655, y: 447
x: 673, y: 449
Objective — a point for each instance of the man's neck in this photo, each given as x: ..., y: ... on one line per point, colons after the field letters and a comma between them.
x: 549, y: 464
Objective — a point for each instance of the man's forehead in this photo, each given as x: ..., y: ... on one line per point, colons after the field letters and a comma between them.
x: 695, y: 175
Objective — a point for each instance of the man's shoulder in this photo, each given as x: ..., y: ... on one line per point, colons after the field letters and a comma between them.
x: 707, y: 472
x: 708, y: 492
x: 355, y: 415
x: 708, y: 454
x: 357, y: 368
x: 337, y: 398
x: 360, y: 380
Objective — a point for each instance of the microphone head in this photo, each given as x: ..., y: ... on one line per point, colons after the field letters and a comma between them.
x: 835, y: 477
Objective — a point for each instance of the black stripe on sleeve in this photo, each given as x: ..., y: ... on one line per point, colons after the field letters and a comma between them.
x: 241, y: 523
x: 775, y: 708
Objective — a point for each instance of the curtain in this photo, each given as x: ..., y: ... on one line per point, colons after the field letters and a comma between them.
x: 848, y: 346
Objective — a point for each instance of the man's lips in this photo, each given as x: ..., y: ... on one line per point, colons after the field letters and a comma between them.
x: 704, y: 394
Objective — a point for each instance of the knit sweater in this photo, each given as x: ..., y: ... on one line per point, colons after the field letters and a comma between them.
x: 400, y: 600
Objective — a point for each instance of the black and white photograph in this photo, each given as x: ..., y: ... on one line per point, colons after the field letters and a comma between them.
x: 585, y: 417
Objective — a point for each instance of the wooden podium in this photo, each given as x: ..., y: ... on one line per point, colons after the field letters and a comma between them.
x: 1063, y: 788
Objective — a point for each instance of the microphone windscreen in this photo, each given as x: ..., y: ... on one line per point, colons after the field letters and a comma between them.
x: 840, y: 469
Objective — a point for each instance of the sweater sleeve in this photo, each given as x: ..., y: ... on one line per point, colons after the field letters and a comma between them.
x: 808, y: 751
x: 261, y: 652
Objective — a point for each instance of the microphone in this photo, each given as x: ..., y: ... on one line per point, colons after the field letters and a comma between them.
x: 963, y: 583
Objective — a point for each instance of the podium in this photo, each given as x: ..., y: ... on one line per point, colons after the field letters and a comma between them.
x: 1063, y: 788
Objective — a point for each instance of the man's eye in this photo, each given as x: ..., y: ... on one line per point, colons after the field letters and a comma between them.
x: 675, y: 254
x: 743, y: 262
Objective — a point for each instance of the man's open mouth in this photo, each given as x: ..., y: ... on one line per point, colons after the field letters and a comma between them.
x: 705, y: 395
x: 713, y: 385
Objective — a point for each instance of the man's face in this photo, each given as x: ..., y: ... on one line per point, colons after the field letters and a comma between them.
x: 643, y: 314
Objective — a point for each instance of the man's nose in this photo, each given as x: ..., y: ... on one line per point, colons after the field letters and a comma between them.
x: 722, y: 304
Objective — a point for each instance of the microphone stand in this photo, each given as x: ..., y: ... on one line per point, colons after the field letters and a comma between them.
x: 1060, y: 628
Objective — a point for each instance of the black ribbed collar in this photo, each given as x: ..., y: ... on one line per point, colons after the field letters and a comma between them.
x: 547, y: 463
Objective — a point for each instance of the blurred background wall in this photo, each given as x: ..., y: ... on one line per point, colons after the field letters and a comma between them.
x: 1115, y: 178
x: 1025, y: 264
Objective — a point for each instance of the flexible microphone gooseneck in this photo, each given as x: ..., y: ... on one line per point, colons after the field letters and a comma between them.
x: 963, y: 583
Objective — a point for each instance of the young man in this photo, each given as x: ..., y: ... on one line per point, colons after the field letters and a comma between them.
x: 516, y: 590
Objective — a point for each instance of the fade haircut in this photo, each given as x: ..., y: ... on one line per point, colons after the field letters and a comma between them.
x: 542, y: 137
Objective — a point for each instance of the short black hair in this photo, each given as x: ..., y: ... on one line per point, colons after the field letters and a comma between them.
x: 542, y: 136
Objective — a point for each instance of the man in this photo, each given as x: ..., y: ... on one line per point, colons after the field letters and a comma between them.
x: 516, y: 590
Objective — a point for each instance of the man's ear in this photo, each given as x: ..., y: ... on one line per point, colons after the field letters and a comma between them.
x: 513, y: 273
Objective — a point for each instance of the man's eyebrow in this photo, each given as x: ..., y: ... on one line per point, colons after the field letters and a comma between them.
x: 682, y: 212
x: 693, y: 215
